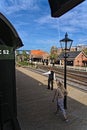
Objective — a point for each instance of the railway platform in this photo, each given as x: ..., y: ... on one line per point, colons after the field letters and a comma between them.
x: 35, y: 108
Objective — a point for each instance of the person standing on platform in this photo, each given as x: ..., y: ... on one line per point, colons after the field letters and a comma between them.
x: 51, y: 78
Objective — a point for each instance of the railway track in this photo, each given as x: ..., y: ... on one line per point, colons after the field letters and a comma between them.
x: 74, y: 78
x: 79, y: 77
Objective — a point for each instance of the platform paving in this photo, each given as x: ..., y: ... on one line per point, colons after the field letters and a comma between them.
x: 35, y: 107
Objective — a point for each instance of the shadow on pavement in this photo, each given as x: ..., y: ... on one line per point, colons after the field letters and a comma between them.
x: 36, y: 110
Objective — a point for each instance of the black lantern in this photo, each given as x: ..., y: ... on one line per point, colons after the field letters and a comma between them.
x: 66, y: 44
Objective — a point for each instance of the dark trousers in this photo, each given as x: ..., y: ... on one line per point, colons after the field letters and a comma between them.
x: 50, y: 84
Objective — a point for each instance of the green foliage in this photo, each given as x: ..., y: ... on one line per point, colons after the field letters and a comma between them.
x: 26, y: 56
x: 23, y: 63
x: 85, y: 51
x: 53, y: 53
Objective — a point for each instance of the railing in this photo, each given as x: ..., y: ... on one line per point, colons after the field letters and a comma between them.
x: 78, y: 68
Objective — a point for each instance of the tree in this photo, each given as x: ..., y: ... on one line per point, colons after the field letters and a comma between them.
x: 25, y: 55
x: 85, y: 51
x: 53, y: 53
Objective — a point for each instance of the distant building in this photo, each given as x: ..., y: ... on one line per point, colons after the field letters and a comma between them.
x: 78, y: 48
x: 38, y: 55
x: 22, y: 55
x: 74, y: 58
x: 81, y: 47
x: 74, y: 48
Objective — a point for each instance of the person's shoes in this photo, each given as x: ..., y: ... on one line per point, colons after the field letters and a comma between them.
x: 51, y: 88
x: 66, y: 120
x: 48, y: 88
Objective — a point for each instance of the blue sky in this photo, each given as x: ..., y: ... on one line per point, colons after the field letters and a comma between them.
x: 38, y: 30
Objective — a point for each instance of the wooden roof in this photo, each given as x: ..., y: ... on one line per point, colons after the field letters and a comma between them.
x: 8, y: 34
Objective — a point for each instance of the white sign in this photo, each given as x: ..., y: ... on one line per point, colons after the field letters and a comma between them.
x: 4, y: 52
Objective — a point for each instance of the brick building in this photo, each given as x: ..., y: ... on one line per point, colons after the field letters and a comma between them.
x: 74, y: 58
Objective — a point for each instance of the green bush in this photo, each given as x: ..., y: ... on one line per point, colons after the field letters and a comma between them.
x: 23, y: 63
x: 26, y: 63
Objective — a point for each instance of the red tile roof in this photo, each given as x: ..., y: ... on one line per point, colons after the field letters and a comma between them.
x: 38, y: 53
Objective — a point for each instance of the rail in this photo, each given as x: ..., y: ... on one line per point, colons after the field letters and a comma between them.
x: 73, y: 80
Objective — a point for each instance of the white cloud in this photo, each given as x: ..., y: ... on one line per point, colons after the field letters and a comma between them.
x: 29, y: 19
x: 44, y: 19
x: 72, y: 21
x: 12, y: 6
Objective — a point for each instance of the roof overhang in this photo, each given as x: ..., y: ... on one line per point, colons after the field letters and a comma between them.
x: 8, y: 34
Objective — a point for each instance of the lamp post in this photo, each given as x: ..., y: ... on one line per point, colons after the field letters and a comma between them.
x: 66, y: 44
